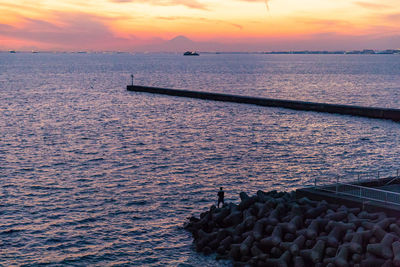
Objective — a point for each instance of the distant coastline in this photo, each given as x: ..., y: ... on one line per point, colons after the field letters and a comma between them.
x: 322, y: 52
x: 302, y: 52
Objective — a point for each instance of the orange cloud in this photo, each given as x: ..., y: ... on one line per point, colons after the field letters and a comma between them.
x: 124, y: 24
x: 71, y: 31
x: 187, y: 3
x: 372, y: 6
x: 202, y: 20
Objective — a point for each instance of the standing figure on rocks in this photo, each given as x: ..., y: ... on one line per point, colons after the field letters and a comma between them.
x: 220, y: 197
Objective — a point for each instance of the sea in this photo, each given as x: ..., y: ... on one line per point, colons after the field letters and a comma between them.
x: 94, y: 175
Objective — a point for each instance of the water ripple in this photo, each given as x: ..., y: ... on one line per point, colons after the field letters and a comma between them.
x: 94, y: 175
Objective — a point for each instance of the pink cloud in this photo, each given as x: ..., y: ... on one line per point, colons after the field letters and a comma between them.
x: 72, y: 31
x: 394, y: 17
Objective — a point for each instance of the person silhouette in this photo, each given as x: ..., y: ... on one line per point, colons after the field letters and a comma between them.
x: 220, y: 197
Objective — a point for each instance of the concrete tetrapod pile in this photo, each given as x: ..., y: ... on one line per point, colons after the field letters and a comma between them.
x: 276, y: 229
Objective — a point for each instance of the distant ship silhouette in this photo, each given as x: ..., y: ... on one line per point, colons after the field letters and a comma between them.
x: 190, y: 53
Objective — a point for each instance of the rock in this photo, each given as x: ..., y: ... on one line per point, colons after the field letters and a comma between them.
x: 220, y: 214
x: 246, y: 246
x: 247, y: 202
x: 250, y: 222
x: 274, y: 215
x: 297, y: 245
x: 313, y: 229
x: 289, y: 237
x: 342, y: 225
x: 348, y: 236
x: 298, y: 262
x: 395, y: 228
x: 275, y: 252
x: 334, y: 237
x: 233, y: 219
x: 262, y: 209
x: 310, y: 243
x: 388, y: 263
x: 366, y: 215
x: 352, y: 218
x: 378, y: 232
x: 341, y: 258
x: 372, y: 262
x: 262, y: 196
x: 356, y: 244
x: 337, y: 216
x: 274, y: 229
x: 255, y: 250
x: 307, y: 201
x: 234, y: 252
x: 316, y: 253
x: 207, y: 250
x: 226, y: 243
x: 368, y: 224
x: 258, y: 229
x: 292, y: 225
x: 396, y: 252
x: 204, y: 238
x: 274, y: 239
x: 280, y: 262
x: 354, y: 210
x: 356, y: 258
x: 384, y: 224
x: 315, y: 212
x: 330, y: 252
x: 384, y: 248
x: 295, y: 210
x: 243, y: 196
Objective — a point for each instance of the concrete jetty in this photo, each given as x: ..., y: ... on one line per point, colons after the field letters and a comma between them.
x: 370, y: 112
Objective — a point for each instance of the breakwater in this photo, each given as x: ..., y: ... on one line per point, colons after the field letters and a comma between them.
x: 370, y: 112
x: 279, y: 229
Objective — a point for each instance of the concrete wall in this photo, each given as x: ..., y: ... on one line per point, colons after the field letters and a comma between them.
x: 349, y: 201
x: 379, y: 113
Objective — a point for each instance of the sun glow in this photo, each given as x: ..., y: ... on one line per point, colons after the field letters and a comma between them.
x: 126, y: 24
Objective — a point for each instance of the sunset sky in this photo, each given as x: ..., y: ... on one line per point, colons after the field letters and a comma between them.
x: 231, y: 25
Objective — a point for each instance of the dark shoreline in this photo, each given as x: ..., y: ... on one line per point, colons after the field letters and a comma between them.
x: 277, y: 229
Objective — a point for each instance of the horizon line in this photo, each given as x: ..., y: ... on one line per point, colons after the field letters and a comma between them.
x: 325, y: 51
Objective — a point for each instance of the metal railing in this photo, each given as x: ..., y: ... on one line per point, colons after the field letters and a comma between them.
x: 363, y: 192
x: 359, y: 177
x: 351, y: 185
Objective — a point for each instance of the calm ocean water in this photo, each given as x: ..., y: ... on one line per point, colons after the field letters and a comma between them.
x: 92, y: 174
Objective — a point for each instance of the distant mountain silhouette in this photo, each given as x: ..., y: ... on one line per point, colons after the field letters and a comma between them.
x: 180, y: 39
x: 179, y: 44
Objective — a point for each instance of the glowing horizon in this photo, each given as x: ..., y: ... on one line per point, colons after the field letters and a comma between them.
x: 135, y: 24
